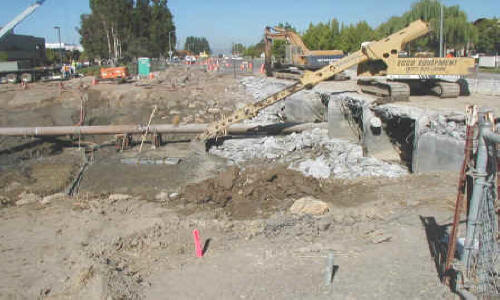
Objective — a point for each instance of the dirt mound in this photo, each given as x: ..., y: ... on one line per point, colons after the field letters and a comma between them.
x: 252, y: 192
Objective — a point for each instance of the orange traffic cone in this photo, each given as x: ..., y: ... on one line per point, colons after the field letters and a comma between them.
x: 262, y: 69
x: 94, y: 81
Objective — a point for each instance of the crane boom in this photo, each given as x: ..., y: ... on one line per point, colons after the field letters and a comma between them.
x: 27, y: 12
x: 383, y: 49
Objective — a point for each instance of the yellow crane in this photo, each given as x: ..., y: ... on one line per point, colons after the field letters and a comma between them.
x: 385, y: 51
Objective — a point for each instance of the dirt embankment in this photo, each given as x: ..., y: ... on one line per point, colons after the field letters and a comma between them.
x: 254, y: 192
x: 260, y: 191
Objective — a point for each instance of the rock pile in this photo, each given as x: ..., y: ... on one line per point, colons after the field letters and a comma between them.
x: 310, y: 152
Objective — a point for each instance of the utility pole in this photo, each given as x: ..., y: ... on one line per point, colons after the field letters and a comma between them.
x: 441, y: 50
x: 170, y: 45
x: 58, y: 28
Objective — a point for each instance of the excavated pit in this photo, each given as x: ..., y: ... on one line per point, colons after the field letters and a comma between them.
x: 128, y: 232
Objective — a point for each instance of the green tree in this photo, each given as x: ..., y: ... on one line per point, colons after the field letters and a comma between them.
x: 352, y: 36
x: 238, y: 48
x: 323, y: 36
x: 489, y: 31
x: 255, y: 50
x: 197, y: 44
x: 160, y: 26
x: 124, y: 29
x: 93, y: 38
x: 457, y: 31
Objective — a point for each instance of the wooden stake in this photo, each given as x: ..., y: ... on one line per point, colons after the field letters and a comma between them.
x: 147, y: 129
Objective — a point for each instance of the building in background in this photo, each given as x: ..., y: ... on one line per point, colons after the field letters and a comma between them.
x: 66, y: 47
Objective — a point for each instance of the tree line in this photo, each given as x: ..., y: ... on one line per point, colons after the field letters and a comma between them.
x: 125, y: 29
x: 458, y: 32
x: 196, y: 45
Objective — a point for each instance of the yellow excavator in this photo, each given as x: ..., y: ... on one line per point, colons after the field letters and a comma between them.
x: 383, y: 54
x: 298, y: 56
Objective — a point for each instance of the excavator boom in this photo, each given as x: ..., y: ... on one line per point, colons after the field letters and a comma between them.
x: 382, y: 49
x: 300, y: 56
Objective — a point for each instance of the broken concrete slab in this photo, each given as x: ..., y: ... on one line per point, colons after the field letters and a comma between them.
x: 310, y: 152
x: 305, y: 106
x: 350, y: 117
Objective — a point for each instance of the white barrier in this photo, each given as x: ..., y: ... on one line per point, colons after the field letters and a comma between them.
x: 489, y: 61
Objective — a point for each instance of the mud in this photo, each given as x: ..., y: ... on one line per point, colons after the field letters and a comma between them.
x: 182, y: 95
x: 253, y: 192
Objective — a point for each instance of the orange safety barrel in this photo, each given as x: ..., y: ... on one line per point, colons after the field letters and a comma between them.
x: 114, y: 73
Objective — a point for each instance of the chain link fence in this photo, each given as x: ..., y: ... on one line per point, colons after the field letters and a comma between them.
x: 481, y: 248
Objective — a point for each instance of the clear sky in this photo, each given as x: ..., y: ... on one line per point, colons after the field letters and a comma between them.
x: 226, y: 21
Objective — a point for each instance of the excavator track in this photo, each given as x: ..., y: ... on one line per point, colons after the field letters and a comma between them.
x: 392, y: 90
x: 446, y: 89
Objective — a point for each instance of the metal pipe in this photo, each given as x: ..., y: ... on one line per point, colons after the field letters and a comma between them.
x: 485, y: 140
x: 478, y: 189
x: 160, y: 128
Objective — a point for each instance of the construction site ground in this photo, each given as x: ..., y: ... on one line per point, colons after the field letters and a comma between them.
x: 127, y: 233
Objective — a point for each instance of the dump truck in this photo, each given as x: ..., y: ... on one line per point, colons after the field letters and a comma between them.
x: 385, y: 52
x: 24, y: 55
x: 298, y: 56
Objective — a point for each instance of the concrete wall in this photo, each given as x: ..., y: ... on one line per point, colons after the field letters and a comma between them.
x: 434, y: 152
x: 338, y: 127
x: 484, y: 86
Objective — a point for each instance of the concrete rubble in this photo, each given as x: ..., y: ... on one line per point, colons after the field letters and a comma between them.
x: 310, y: 152
x: 304, y: 106
x: 450, y: 124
